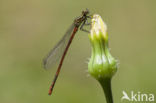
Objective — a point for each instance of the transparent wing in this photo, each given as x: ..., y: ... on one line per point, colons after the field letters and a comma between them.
x: 56, y: 53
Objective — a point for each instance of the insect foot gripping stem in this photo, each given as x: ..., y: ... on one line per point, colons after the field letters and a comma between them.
x: 102, y: 66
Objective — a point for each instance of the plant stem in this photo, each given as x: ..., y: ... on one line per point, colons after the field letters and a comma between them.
x: 106, y: 85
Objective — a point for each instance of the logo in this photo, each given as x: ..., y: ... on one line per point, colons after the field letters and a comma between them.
x: 137, y: 96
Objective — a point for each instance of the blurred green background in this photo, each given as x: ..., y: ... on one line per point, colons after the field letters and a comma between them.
x: 30, y: 28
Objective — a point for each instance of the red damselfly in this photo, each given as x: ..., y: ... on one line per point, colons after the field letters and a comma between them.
x: 59, y: 52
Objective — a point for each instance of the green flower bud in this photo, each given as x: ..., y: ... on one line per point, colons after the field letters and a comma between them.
x: 102, y: 66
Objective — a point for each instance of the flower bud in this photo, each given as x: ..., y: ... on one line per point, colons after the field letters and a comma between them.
x: 102, y: 66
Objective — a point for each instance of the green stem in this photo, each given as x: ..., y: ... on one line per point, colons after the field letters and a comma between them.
x: 106, y: 85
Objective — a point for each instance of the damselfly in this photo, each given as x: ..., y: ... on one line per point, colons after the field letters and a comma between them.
x: 61, y: 48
